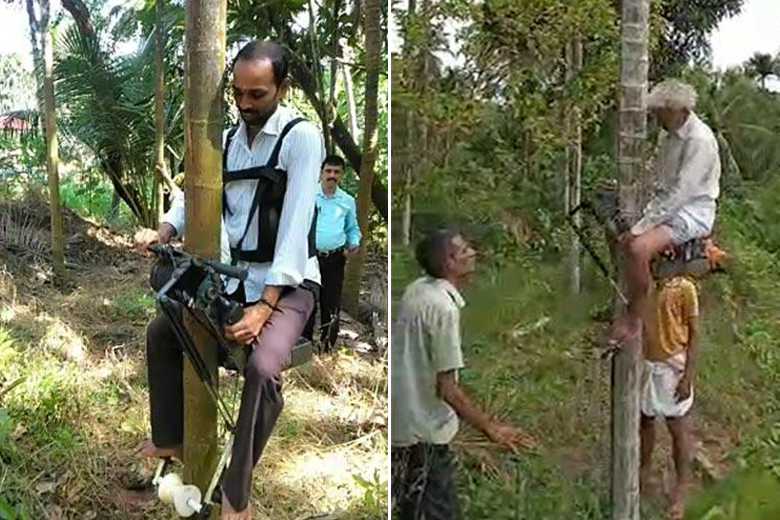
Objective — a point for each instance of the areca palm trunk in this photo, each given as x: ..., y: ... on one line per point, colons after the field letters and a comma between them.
x: 52, y: 149
x: 632, y: 129
x: 204, y: 63
x: 373, y: 49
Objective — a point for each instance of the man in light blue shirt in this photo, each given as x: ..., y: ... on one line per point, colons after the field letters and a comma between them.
x: 338, y: 236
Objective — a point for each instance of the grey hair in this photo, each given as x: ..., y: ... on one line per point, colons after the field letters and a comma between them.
x: 673, y: 94
x: 432, y: 251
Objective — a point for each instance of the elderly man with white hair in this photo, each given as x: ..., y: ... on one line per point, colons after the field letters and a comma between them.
x: 684, y: 204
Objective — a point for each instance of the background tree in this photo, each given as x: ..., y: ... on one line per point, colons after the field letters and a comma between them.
x: 52, y: 149
x: 373, y: 46
x: 761, y: 66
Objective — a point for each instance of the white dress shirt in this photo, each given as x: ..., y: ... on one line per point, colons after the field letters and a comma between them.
x: 688, y: 178
x: 301, y: 157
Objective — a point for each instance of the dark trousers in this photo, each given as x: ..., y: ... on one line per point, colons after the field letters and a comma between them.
x: 424, y: 486
x: 261, y: 400
x: 332, y: 274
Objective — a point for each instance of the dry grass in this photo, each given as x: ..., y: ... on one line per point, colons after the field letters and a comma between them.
x: 83, y: 404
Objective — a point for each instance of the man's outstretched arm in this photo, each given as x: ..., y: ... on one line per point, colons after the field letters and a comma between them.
x: 508, y: 436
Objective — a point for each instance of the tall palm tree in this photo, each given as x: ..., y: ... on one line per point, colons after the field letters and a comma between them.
x: 761, y: 65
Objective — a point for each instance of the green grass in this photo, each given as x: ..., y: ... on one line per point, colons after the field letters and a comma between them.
x: 528, y: 348
x: 136, y: 305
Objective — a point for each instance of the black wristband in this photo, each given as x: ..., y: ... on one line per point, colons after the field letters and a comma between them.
x: 268, y: 304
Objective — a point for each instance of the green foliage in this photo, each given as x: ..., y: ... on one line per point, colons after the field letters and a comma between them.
x: 761, y: 65
x: 687, y: 31
x: 107, y: 98
x: 136, y: 306
x: 91, y: 196
x: 374, y: 504
x: 110, y: 109
x: 22, y: 163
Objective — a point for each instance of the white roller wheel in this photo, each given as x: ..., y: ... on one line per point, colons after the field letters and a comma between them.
x: 186, y: 500
x: 168, y: 484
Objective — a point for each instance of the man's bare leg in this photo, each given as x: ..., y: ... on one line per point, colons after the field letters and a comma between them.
x: 647, y: 444
x: 149, y: 450
x: 681, y: 451
x: 228, y: 513
x: 638, y: 253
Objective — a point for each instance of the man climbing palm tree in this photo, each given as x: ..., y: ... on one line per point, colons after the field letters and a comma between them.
x: 273, y: 238
x: 684, y: 205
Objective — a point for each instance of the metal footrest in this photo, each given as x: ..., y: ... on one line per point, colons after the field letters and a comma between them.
x: 302, y: 353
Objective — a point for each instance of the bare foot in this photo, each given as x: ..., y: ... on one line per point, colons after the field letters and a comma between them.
x: 149, y: 450
x: 626, y: 327
x: 228, y: 513
x: 677, y: 505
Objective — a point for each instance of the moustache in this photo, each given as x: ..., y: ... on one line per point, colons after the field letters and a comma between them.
x: 249, y: 113
x: 331, y: 179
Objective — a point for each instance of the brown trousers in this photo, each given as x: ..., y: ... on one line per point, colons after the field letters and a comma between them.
x: 261, y: 399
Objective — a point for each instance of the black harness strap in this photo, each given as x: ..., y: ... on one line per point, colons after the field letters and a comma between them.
x: 229, y: 139
x: 267, y: 201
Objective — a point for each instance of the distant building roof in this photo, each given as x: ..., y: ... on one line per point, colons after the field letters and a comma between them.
x: 18, y: 120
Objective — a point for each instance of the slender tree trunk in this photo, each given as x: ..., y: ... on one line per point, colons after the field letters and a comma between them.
x: 204, y: 62
x: 52, y: 150
x: 410, y: 129
x: 334, y: 94
x: 625, y: 365
x: 401, y: 132
x: 574, y: 163
x: 113, y: 211
x: 373, y: 49
x: 351, y: 105
x: 159, y: 109
x: 37, y: 53
x: 323, y: 109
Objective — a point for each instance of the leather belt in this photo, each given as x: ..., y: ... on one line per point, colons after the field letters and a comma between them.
x: 326, y: 254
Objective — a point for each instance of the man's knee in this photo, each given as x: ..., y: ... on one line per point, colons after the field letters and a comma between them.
x: 676, y: 425
x: 261, y: 368
x: 638, y: 250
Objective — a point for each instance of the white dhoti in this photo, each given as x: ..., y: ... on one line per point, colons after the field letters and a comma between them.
x: 659, y: 385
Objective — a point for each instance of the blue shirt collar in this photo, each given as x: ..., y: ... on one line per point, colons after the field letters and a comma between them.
x: 337, y: 194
